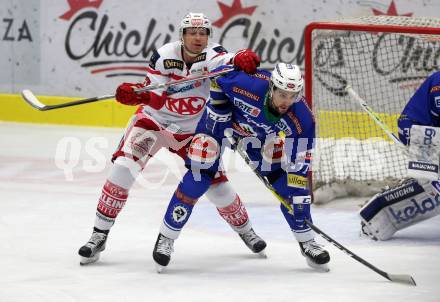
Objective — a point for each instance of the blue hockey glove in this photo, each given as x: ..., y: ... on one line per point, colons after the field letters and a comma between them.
x: 218, y: 119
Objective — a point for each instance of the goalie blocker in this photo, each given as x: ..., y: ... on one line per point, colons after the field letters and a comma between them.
x: 400, y: 207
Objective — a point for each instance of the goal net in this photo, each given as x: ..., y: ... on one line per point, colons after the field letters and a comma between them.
x: 384, y: 59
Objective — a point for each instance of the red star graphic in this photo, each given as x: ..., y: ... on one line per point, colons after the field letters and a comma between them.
x: 392, y: 11
x: 76, y: 5
x: 229, y: 12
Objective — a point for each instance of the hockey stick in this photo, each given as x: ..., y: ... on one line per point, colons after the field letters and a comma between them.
x: 406, y: 279
x: 375, y: 117
x: 32, y: 100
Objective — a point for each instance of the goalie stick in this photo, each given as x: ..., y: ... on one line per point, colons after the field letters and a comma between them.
x: 375, y: 117
x: 32, y: 100
x: 405, y: 279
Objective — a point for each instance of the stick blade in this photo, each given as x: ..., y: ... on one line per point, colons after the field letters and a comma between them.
x: 32, y: 100
x: 405, y: 279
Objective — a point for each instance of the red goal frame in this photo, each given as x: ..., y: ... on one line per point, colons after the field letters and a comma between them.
x: 308, y: 31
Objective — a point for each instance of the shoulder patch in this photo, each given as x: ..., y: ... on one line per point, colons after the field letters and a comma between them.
x: 172, y: 63
x: 308, y: 108
x: 219, y: 49
x: 261, y: 76
x: 435, y: 89
x: 295, y: 121
x: 153, y: 59
x: 201, y: 57
x: 246, y: 93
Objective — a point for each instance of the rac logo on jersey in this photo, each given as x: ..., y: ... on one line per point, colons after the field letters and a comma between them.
x: 186, y: 106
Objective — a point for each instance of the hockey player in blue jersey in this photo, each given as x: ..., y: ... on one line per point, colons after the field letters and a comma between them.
x: 415, y: 199
x: 271, y: 119
x: 422, y: 109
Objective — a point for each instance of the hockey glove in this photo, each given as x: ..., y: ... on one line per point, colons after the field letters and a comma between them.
x: 246, y: 60
x: 301, y: 210
x: 125, y: 93
x: 218, y: 119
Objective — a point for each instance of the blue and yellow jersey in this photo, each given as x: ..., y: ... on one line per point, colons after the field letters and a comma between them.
x: 424, y: 106
x: 286, y: 140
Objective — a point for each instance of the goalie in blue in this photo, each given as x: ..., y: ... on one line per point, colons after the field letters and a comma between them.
x: 267, y: 115
x: 422, y: 109
x: 417, y: 198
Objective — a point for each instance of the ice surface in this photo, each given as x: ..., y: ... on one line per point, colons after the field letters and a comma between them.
x: 45, y: 218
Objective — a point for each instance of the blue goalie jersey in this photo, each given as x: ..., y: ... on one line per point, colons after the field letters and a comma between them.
x: 423, y: 108
x: 424, y: 105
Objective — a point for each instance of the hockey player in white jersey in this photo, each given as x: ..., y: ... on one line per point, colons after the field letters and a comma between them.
x: 168, y: 118
x: 415, y: 199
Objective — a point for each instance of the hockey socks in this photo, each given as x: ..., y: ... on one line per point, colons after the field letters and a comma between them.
x: 111, y: 202
x: 177, y: 214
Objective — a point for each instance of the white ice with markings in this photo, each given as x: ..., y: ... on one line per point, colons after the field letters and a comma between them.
x: 47, y: 213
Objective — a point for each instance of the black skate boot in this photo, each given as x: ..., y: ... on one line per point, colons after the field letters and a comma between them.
x: 315, y: 255
x: 162, y: 252
x: 254, y: 242
x: 90, y: 252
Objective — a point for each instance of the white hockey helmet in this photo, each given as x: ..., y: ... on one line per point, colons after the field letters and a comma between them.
x: 287, y: 77
x: 195, y: 20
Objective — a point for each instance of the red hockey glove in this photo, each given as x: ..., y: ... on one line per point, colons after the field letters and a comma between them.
x: 246, y: 60
x: 125, y: 94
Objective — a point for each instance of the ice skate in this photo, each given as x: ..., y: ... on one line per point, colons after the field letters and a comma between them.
x: 162, y: 252
x: 254, y: 242
x: 316, y: 256
x: 89, y: 253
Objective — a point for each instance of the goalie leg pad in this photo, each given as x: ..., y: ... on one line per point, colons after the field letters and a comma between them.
x: 424, y: 152
x: 399, y: 207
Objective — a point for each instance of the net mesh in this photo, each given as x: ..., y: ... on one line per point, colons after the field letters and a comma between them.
x: 384, y: 68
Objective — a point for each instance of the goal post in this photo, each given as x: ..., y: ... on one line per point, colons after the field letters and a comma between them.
x: 384, y: 59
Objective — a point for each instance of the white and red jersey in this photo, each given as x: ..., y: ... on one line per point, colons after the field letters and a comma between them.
x: 179, y: 108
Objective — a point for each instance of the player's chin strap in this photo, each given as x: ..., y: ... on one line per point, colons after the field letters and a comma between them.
x: 405, y: 279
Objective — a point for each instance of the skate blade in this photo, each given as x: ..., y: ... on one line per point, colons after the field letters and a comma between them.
x: 160, y: 268
x: 88, y: 260
x: 319, y: 267
x: 262, y: 254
